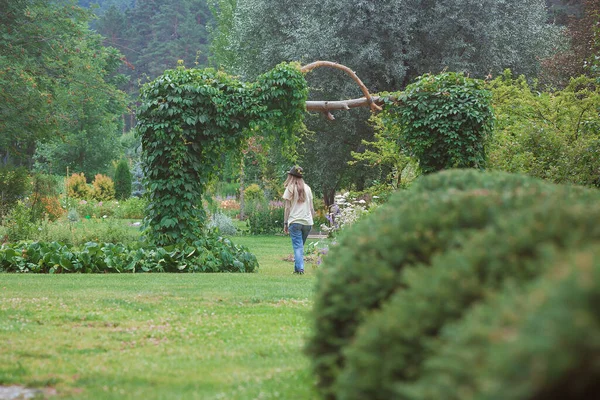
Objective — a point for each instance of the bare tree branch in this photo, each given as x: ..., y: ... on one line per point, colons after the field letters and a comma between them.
x: 326, y: 106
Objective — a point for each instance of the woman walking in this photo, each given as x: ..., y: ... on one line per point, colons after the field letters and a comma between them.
x: 299, y: 212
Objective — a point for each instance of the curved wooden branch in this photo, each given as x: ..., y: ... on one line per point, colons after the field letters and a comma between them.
x: 348, y: 103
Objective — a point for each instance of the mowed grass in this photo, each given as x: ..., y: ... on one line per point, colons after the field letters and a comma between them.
x: 161, y: 336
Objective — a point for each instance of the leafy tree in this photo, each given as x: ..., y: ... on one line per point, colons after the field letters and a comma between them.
x: 387, y: 43
x: 55, y: 77
x: 122, y: 180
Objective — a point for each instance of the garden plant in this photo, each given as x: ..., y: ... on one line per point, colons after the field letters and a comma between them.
x: 385, y: 296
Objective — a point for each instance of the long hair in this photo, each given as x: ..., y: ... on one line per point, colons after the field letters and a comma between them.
x: 297, y: 187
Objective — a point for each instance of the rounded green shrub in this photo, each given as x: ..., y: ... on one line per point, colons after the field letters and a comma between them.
x: 104, y: 188
x: 391, y: 345
x: 254, y: 194
x: 77, y: 187
x: 440, y: 212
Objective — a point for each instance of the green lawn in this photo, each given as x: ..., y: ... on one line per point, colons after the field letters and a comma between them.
x: 161, y: 336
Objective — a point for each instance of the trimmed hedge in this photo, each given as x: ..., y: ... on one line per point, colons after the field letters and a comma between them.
x: 440, y: 213
x: 209, y: 254
x: 391, y: 345
x: 537, y: 342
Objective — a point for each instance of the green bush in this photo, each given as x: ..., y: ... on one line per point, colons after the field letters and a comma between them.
x: 254, y: 194
x: 77, y: 187
x: 44, y: 197
x: 440, y: 212
x: 209, y: 254
x: 104, y: 188
x: 264, y: 219
x: 391, y: 345
x: 132, y: 208
x: 537, y: 342
x: 14, y: 185
x: 122, y: 180
x: 550, y: 135
x: 18, y: 222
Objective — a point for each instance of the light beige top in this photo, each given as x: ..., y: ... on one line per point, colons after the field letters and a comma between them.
x: 300, y: 213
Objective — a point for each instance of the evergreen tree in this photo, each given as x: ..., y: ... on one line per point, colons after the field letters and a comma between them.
x: 122, y: 180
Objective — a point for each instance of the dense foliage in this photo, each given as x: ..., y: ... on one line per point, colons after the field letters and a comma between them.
x: 122, y: 180
x: 14, y: 183
x: 209, y: 254
x: 551, y: 135
x: 187, y: 120
x: 471, y: 228
x: 443, y: 121
x: 521, y: 342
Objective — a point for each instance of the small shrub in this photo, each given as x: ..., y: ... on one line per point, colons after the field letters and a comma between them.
x: 43, y: 200
x: 132, y: 208
x: 254, y: 194
x: 52, y: 208
x: 104, y: 188
x: 264, y: 219
x: 77, y: 187
x: 18, y: 222
x: 123, y: 183
x: 223, y: 223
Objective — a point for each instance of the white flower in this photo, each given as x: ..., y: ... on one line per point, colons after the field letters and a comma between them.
x: 105, y: 216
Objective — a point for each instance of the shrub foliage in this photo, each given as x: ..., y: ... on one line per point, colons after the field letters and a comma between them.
x: 444, y: 121
x: 208, y: 254
x: 14, y: 184
x: 455, y: 238
x: 122, y: 180
x: 77, y: 187
x: 104, y: 188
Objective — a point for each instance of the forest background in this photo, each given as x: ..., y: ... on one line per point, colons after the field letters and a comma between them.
x: 71, y: 72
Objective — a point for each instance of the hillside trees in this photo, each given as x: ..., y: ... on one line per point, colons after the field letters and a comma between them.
x: 153, y: 35
x: 387, y: 43
x: 54, y: 77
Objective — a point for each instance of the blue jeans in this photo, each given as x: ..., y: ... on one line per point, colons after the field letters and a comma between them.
x: 299, y: 234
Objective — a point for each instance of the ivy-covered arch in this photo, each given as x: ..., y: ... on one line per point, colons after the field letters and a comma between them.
x: 190, y: 117
x: 187, y: 119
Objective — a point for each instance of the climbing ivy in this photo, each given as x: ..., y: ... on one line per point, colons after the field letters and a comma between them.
x: 188, y: 118
x: 443, y: 120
